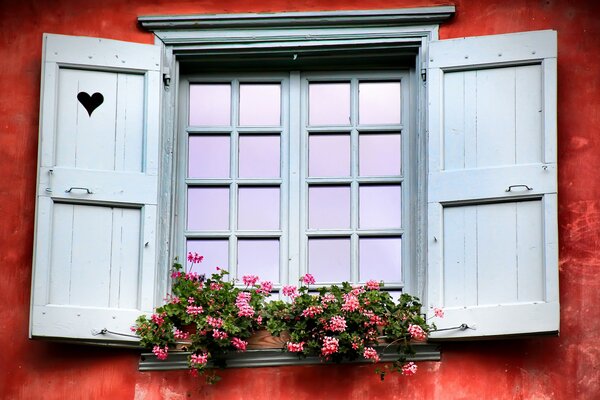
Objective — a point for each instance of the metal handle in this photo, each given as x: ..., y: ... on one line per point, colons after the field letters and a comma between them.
x: 516, y: 186
x: 79, y: 188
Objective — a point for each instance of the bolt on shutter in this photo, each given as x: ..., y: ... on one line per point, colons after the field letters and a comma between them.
x: 492, y: 185
x: 94, y: 262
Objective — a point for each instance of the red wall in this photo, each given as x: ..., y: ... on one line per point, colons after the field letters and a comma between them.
x: 540, y: 368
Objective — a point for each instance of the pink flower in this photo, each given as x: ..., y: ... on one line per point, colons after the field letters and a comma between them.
x: 295, y: 347
x: 330, y: 345
x: 350, y: 303
x: 217, y: 334
x: 438, y: 312
x: 266, y: 287
x: 175, y: 274
x: 311, y: 311
x: 160, y: 353
x: 337, y: 324
x: 214, y: 322
x: 242, y: 303
x: 180, y: 334
x: 175, y: 300
x: 373, y: 285
x: 199, y: 359
x: 194, y: 258
x: 239, y: 344
x: 158, y: 319
x: 416, y: 332
x: 194, y: 310
x: 409, y: 369
x: 250, y: 280
x: 216, y: 286
x: 291, y: 291
x: 327, y: 298
x: 308, y: 279
x: 259, y: 319
x: 356, y: 290
x: 371, y: 354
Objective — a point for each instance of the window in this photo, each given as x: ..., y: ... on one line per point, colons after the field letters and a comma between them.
x: 469, y: 165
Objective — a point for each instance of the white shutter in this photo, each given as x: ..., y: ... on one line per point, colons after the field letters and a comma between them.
x: 492, y: 209
x: 96, y: 211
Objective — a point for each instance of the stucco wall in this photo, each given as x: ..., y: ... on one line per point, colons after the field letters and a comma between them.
x: 565, y: 367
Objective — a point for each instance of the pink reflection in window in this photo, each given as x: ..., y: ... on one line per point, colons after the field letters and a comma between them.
x: 329, y: 103
x: 380, y: 259
x: 208, y: 208
x: 260, y: 104
x: 379, y: 102
x: 379, y: 206
x: 259, y: 257
x: 215, y: 252
x: 379, y: 154
x: 329, y: 207
x: 329, y: 155
x: 259, y: 157
x: 258, y: 208
x: 329, y: 259
x: 208, y: 157
x: 210, y: 104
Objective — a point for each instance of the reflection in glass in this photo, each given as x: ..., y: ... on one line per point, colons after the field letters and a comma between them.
x: 260, y: 104
x: 379, y: 103
x: 258, y: 208
x: 210, y: 104
x: 379, y: 154
x: 379, y: 206
x: 329, y: 207
x: 259, y: 156
x: 380, y: 259
x: 329, y: 103
x: 258, y: 257
x: 329, y: 259
x: 329, y: 155
x: 208, y: 208
x: 208, y: 157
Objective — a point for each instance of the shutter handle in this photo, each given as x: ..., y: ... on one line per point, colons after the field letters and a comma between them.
x: 79, y: 188
x: 516, y: 186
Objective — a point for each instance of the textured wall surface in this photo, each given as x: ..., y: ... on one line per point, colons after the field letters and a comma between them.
x: 565, y: 367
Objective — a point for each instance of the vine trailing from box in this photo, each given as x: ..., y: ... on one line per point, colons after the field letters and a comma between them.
x: 212, y: 316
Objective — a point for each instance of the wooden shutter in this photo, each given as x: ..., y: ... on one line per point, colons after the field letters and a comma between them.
x: 96, y: 212
x: 492, y: 208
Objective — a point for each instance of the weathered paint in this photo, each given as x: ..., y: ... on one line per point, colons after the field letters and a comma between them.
x: 539, y: 368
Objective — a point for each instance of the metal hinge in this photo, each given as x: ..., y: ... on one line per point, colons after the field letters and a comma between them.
x: 167, y: 76
x: 424, y: 73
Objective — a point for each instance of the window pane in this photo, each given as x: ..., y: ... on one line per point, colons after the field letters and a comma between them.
x: 379, y: 102
x: 208, y: 208
x: 379, y: 207
x: 259, y: 257
x: 210, y: 104
x: 329, y: 103
x: 329, y: 155
x: 259, y: 157
x: 379, y: 154
x: 380, y: 259
x: 258, y: 208
x: 208, y: 157
x: 260, y: 104
x: 215, y: 252
x: 329, y: 207
x: 329, y: 259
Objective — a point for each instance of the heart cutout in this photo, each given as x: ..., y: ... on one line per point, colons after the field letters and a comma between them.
x: 90, y: 103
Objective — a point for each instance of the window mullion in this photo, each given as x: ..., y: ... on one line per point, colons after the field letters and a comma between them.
x: 296, y: 151
x: 354, y: 186
x: 233, y: 188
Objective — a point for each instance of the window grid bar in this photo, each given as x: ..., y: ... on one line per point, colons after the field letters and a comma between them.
x: 233, y: 202
x: 354, y: 175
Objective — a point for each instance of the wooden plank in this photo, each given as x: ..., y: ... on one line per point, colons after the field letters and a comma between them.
x: 60, y: 261
x: 454, y: 120
x: 125, y: 259
x: 528, y: 107
x: 530, y: 251
x: 454, y: 257
x: 129, y: 126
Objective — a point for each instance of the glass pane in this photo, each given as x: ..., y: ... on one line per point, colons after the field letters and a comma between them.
x: 258, y: 208
x: 379, y: 207
x: 259, y: 257
x: 210, y: 104
x: 260, y: 104
x: 329, y: 103
x: 329, y: 207
x: 208, y: 157
x: 329, y: 259
x: 379, y: 102
x: 329, y: 155
x: 215, y: 252
x: 208, y: 208
x: 379, y: 154
x: 259, y: 156
x: 380, y: 259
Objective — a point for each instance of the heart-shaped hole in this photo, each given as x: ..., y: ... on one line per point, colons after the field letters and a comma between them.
x: 90, y: 103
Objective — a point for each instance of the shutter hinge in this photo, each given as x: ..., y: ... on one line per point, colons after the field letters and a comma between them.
x: 167, y: 76
x: 424, y: 73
